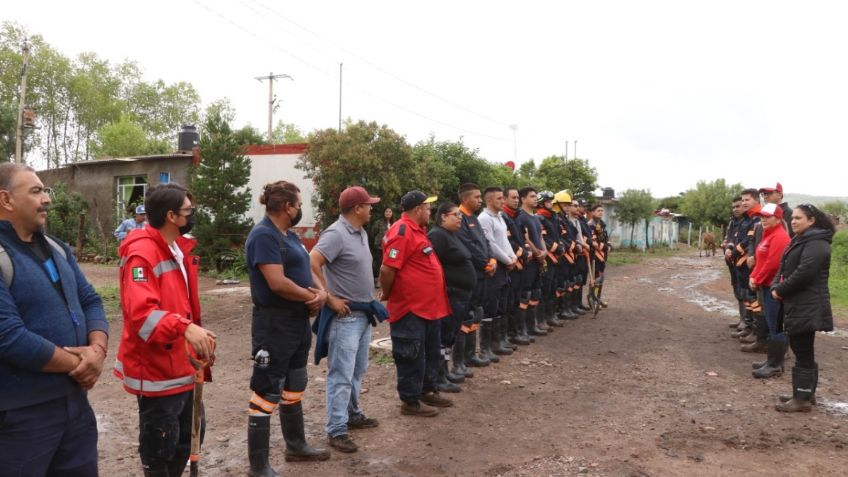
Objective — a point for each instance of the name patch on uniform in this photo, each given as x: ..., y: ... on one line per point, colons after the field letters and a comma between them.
x: 138, y: 274
x: 393, y: 253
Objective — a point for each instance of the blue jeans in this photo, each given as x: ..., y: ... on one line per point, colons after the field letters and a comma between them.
x: 771, y: 307
x: 347, y: 361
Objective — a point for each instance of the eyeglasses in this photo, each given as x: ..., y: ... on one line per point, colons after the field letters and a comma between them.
x: 190, y: 210
x: 807, y: 207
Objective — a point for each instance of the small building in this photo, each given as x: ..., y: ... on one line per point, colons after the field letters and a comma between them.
x: 113, y: 187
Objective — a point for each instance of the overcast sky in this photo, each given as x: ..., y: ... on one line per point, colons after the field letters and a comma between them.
x: 657, y: 95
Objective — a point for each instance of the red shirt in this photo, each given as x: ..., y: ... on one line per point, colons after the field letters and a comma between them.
x: 419, y: 285
x: 768, y: 254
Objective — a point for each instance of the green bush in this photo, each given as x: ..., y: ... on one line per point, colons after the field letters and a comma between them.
x: 64, y: 213
x: 839, y: 270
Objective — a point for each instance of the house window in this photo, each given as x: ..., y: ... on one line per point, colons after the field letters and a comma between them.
x: 164, y: 177
x: 131, y: 192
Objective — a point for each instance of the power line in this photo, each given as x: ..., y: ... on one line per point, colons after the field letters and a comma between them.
x: 354, y: 86
x: 381, y: 69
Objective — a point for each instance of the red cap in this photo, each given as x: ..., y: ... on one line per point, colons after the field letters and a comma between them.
x: 355, y: 195
x: 771, y: 210
x: 769, y: 190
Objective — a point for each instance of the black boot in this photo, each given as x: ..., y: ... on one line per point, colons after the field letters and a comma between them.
x: 258, y: 434
x: 297, y: 449
x: 459, y: 357
x: 450, y: 375
x: 550, y: 314
x: 506, y: 327
x: 442, y: 382
x: 580, y: 305
x: 158, y: 470
x: 521, y: 327
x: 540, y: 318
x: 804, y: 382
x: 471, y: 357
x: 773, y: 366
x: 565, y: 312
x: 487, y: 329
x: 499, y: 345
x: 575, y: 303
x: 530, y: 319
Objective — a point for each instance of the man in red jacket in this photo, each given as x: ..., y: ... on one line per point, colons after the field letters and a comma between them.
x: 161, y: 311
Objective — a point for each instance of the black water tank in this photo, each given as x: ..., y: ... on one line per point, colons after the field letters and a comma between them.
x: 609, y: 193
x: 188, y: 138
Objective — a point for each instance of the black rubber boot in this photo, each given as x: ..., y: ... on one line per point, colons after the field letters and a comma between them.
x: 540, y: 317
x: 487, y: 331
x: 297, y: 449
x: 521, y: 328
x: 507, y: 323
x: 500, y: 346
x: 258, y: 435
x: 530, y: 320
x: 454, y: 378
x: 804, y: 382
x: 550, y: 313
x: 459, y: 357
x: 442, y: 383
x: 574, y: 298
x: 565, y: 312
x: 773, y: 366
x: 158, y: 470
x: 471, y: 357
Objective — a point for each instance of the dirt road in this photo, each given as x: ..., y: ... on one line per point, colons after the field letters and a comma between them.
x: 653, y: 387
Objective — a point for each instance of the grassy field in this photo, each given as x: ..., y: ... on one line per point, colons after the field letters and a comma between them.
x: 624, y: 256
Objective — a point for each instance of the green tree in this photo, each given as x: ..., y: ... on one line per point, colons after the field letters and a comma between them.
x: 8, y: 123
x: 526, y: 173
x: 671, y: 202
x: 219, y: 183
x: 635, y: 205
x: 836, y: 208
x: 126, y: 138
x: 249, y: 135
x: 364, y: 154
x: 63, y: 216
x: 709, y: 202
x: 287, y: 133
x: 575, y: 175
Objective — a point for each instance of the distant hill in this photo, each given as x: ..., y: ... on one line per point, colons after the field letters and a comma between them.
x: 795, y: 199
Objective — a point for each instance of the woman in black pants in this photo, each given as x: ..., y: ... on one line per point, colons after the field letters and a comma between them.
x: 801, y: 284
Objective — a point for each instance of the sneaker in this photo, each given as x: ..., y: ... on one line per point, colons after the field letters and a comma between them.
x: 416, y: 409
x: 342, y: 443
x: 360, y: 421
x: 434, y: 399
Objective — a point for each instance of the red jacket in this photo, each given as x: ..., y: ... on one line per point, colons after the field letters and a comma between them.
x: 157, y: 308
x: 768, y: 254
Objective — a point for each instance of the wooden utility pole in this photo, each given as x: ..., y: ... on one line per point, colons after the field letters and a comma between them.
x: 271, y: 99
x: 19, y: 131
x: 340, y: 96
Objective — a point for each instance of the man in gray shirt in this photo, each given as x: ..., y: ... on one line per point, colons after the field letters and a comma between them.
x: 342, y: 262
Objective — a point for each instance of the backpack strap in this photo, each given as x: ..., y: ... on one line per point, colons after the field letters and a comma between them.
x: 7, y: 268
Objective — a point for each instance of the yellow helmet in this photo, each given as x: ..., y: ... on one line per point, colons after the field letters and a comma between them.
x: 561, y: 197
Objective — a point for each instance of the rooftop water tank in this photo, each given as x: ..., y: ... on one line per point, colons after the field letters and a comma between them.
x: 188, y: 138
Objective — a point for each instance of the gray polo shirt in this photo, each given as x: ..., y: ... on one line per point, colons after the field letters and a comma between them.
x: 348, y: 269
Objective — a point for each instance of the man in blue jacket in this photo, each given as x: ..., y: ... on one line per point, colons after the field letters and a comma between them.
x: 53, y: 339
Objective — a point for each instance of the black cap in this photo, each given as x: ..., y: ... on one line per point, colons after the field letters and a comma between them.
x: 414, y: 198
x: 583, y: 202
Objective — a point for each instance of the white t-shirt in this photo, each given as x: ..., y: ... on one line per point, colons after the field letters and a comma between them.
x: 179, y: 256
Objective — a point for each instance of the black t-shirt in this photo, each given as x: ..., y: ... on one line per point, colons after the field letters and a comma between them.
x: 454, y: 257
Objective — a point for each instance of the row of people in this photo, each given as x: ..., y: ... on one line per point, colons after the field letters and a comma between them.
x: 779, y: 261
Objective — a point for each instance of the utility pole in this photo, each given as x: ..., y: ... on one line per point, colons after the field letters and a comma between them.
x: 514, y: 128
x: 566, y: 150
x: 340, y: 97
x: 19, y: 131
x: 575, y: 148
x: 271, y: 99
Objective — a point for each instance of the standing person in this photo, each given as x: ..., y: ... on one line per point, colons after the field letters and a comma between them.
x: 485, y: 265
x: 380, y: 229
x: 730, y: 258
x: 748, y: 236
x: 283, y: 294
x: 566, y: 280
x: 586, y: 250
x: 802, y: 285
x: 515, y: 234
x: 768, y: 254
x: 550, y: 273
x: 412, y: 281
x: 600, y: 248
x: 129, y: 225
x: 774, y: 195
x: 495, y: 230
x: 162, y: 329
x: 339, y: 260
x: 581, y: 269
x: 460, y: 279
x: 53, y: 339
x: 531, y: 278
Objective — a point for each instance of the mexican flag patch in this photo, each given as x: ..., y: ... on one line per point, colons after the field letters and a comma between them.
x: 393, y: 253
x: 138, y: 274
